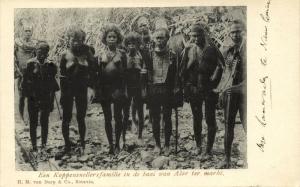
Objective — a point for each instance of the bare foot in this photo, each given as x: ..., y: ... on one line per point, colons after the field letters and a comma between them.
x: 167, y: 151
x: 198, y: 150
x: 111, y: 150
x: 140, y: 142
x: 206, y: 156
x: 225, y: 164
x: 117, y: 149
x: 157, y: 150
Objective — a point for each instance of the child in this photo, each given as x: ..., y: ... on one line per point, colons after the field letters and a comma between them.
x: 39, y: 86
x: 134, y: 84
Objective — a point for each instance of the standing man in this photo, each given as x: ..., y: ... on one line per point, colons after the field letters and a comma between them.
x: 200, y: 63
x: 234, y: 89
x: 161, y: 78
x: 23, y: 51
x: 78, y: 72
x: 39, y: 86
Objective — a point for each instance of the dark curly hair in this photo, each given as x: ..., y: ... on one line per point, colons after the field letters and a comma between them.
x: 133, y: 37
x: 112, y: 28
x: 43, y: 45
x: 166, y: 32
x: 76, y: 32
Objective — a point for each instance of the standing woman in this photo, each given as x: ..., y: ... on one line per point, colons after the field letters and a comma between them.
x: 111, y: 84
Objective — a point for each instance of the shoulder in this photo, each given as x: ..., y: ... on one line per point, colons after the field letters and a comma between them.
x: 50, y: 63
x: 64, y: 53
x: 210, y: 50
x: 121, y: 51
x: 226, y: 49
x: 34, y: 41
x: 18, y: 43
x: 32, y: 61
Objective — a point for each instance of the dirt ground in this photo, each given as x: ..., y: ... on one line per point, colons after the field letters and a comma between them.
x: 136, y: 157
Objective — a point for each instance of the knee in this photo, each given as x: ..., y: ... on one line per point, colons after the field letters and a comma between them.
x: 197, y: 118
x: 210, y: 121
x: 80, y: 118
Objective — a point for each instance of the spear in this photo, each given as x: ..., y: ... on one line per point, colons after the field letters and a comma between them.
x: 176, y: 129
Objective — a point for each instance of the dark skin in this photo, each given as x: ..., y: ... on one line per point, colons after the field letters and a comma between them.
x: 81, y: 56
x: 198, y: 98
x: 40, y: 103
x: 160, y: 42
x: 233, y: 104
x: 111, y: 43
x: 132, y: 51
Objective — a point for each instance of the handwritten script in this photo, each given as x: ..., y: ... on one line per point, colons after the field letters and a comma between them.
x: 265, y: 80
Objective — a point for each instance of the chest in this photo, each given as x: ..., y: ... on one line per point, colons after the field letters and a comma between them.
x: 110, y: 62
x: 134, y: 62
x: 71, y: 60
x: 160, y: 68
x: 41, y: 72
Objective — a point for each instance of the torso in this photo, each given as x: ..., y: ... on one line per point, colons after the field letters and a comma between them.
x: 133, y: 69
x: 23, y: 54
x: 111, y: 66
x: 160, y: 67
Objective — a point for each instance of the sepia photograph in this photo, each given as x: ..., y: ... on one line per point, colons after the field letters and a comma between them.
x: 148, y: 88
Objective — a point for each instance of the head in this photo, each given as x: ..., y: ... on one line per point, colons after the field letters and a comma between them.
x: 112, y: 36
x: 76, y: 38
x: 236, y: 31
x: 42, y: 50
x: 132, y: 41
x: 197, y: 35
x: 27, y: 32
x: 161, y: 37
x: 143, y: 25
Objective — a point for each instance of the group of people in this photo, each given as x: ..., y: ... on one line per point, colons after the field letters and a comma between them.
x: 139, y: 69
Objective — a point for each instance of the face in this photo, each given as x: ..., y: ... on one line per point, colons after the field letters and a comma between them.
x: 160, y: 39
x: 76, y: 42
x: 236, y: 33
x: 197, y: 38
x: 143, y: 28
x: 131, y: 47
x: 112, y: 39
x: 27, y: 32
x: 143, y: 25
x: 41, y: 54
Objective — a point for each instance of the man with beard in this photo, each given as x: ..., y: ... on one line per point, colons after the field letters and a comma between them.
x: 78, y: 72
x: 161, y: 79
x: 199, y: 66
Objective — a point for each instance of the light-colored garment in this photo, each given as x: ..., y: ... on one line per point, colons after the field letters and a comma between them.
x: 160, y: 68
x: 24, y: 51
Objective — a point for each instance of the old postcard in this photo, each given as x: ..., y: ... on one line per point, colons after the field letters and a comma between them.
x: 161, y: 93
